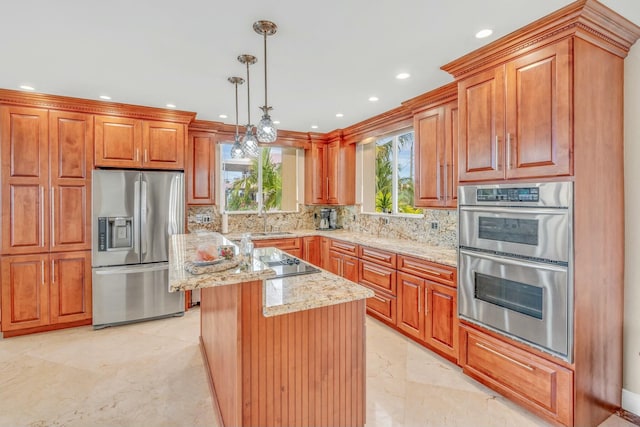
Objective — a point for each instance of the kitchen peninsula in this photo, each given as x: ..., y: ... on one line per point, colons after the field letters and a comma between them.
x: 278, y: 351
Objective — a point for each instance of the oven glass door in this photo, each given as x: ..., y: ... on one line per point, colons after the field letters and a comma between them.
x: 530, y: 232
x: 526, y: 300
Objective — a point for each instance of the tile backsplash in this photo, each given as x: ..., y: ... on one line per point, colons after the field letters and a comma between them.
x: 437, y: 227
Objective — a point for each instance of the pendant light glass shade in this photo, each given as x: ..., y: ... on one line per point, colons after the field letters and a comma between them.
x: 250, y: 143
x: 236, y: 149
x: 266, y: 130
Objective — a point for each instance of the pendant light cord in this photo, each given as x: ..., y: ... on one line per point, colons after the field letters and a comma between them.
x: 248, y: 97
x: 237, y: 134
x: 266, y: 111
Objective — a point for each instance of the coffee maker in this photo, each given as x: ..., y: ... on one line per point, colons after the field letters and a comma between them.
x: 328, y: 219
x: 325, y: 218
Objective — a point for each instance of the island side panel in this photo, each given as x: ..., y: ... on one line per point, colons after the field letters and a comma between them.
x: 297, y: 362
x: 220, y: 312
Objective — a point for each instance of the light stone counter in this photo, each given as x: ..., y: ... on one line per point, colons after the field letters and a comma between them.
x: 404, y: 247
x: 280, y: 296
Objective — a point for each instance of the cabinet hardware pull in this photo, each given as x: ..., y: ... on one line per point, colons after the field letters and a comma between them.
x: 42, y: 216
x: 42, y: 271
x: 441, y: 183
x: 380, y: 299
x: 504, y: 356
x: 53, y: 216
x: 378, y: 272
x: 509, y: 159
x: 146, y: 155
x: 498, y: 152
x: 53, y: 272
x: 374, y: 256
x: 419, y: 302
x: 137, y: 154
x: 327, y: 187
x: 426, y: 302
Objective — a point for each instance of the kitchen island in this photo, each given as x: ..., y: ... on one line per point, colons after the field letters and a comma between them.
x: 278, y: 351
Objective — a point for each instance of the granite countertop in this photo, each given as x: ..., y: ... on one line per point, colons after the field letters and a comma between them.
x: 435, y: 254
x: 281, y: 296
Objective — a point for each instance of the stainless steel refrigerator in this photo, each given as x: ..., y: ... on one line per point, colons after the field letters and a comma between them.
x: 134, y: 212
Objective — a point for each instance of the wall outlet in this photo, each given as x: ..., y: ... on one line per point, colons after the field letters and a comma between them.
x: 203, y: 219
x: 435, y: 225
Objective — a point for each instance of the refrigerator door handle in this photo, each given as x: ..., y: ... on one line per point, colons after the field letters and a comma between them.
x: 136, y: 217
x: 107, y: 271
x: 144, y: 211
x: 175, y: 206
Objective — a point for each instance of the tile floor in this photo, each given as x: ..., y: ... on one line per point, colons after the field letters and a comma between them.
x: 151, y: 374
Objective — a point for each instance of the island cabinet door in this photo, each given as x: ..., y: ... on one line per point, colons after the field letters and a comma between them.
x: 411, y: 305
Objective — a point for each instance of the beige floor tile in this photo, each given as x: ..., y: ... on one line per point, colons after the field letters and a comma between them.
x: 151, y: 374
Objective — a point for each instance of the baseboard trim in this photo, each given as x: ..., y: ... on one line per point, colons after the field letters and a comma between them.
x: 631, y: 402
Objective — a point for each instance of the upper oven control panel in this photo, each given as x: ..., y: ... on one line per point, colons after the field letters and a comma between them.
x: 513, y: 194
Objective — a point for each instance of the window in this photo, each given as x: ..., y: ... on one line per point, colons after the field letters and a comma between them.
x: 387, y: 174
x: 247, y: 184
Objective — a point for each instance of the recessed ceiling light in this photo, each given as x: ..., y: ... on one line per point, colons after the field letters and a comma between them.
x: 314, y: 126
x: 484, y: 33
x: 339, y: 115
x: 105, y: 97
x: 27, y: 87
x: 276, y: 122
x: 373, y: 98
x: 223, y: 116
x: 171, y: 105
x: 403, y: 76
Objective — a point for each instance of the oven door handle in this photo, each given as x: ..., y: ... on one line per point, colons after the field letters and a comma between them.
x: 514, y: 261
x: 515, y: 211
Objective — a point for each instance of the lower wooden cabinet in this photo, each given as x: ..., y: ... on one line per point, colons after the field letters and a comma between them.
x: 383, y: 306
x: 411, y: 316
x: 45, y: 289
x: 536, y: 383
x: 441, y: 320
x: 311, y: 251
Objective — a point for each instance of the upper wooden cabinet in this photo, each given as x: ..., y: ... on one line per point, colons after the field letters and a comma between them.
x: 516, y: 118
x: 200, y: 168
x: 133, y: 143
x: 330, y: 173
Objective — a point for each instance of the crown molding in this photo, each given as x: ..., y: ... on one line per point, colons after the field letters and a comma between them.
x: 586, y: 19
x: 441, y: 95
x: 66, y: 103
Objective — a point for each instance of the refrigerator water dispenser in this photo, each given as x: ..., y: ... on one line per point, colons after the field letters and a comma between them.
x: 115, y: 233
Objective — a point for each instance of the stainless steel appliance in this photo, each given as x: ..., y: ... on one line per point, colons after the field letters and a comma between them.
x: 286, y: 265
x: 134, y: 212
x: 515, y: 262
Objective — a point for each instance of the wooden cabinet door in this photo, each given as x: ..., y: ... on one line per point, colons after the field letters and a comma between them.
x: 25, y: 291
x: 441, y: 323
x: 332, y: 177
x: 24, y: 145
x: 410, y: 305
x: 311, y: 249
x: 325, y: 245
x: 334, y: 263
x: 71, y: 145
x: 451, y: 128
x: 481, y: 151
x: 70, y: 286
x: 118, y: 142
x: 350, y: 268
x: 200, y: 169
x: 538, y: 113
x: 315, y: 166
x: 429, y: 128
x: 163, y: 145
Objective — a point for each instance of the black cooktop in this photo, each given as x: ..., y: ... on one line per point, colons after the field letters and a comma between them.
x: 286, y: 265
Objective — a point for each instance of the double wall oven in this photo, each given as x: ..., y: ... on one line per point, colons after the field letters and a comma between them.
x: 515, y: 262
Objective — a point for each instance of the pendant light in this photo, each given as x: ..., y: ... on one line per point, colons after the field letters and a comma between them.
x: 236, y: 149
x: 249, y: 141
x: 266, y: 130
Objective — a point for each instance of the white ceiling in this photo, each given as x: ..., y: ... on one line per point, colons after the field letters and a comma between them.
x: 327, y: 57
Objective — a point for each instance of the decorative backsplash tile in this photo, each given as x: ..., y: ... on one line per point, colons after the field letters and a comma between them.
x: 438, y: 227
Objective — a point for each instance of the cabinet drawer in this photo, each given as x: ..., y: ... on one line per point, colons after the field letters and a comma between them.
x: 376, y: 276
x: 283, y: 244
x: 344, y: 247
x: 388, y: 259
x: 538, y: 384
x: 427, y: 270
x: 382, y: 306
